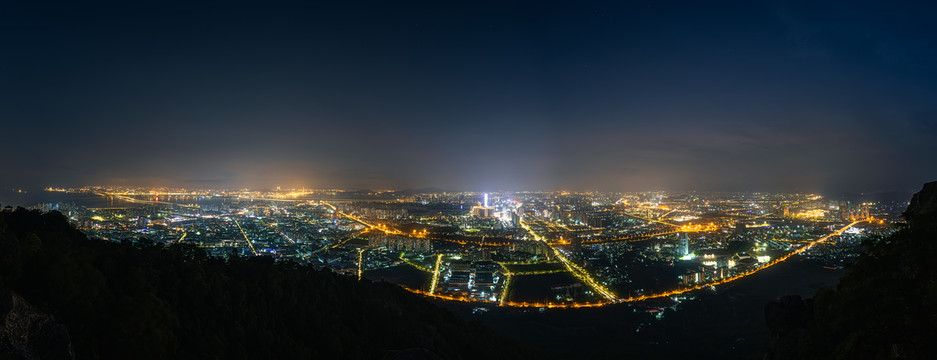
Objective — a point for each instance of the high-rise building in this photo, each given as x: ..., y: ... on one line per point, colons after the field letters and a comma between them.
x: 683, y: 245
x: 483, y: 210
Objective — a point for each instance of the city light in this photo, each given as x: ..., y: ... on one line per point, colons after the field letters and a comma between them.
x: 471, y: 256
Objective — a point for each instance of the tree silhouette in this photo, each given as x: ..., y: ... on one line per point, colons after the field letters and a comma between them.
x: 145, y: 300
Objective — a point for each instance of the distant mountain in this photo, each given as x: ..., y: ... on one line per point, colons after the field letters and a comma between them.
x: 885, y: 307
x: 140, y: 300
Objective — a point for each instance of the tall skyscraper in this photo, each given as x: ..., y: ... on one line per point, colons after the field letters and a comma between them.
x: 683, y: 246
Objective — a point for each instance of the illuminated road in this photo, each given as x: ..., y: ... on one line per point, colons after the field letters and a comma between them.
x: 747, y: 273
x: 583, y: 276
x: 413, y: 264
x: 664, y: 216
x: 503, y: 301
x: 340, y: 243
x: 531, y: 232
x: 380, y: 227
x: 508, y: 275
x: 181, y: 238
x: 628, y: 238
x: 574, y: 269
x: 286, y: 237
x: 648, y: 220
x: 480, y: 242
x: 536, y: 272
x: 141, y: 201
x: 504, y: 289
x: 432, y: 288
x: 360, y: 262
x: 245, y: 236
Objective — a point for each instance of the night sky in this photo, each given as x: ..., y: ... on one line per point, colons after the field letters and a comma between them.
x: 696, y: 95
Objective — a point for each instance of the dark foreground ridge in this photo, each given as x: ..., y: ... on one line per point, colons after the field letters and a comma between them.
x: 885, y: 307
x: 132, y: 301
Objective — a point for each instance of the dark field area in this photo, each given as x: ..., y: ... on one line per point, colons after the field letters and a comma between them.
x: 522, y: 268
x: 538, y: 288
x: 402, y: 274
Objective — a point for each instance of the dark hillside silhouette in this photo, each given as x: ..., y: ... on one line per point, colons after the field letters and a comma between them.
x: 885, y: 307
x: 140, y: 300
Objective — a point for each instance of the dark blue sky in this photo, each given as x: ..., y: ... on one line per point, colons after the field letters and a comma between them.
x: 696, y: 95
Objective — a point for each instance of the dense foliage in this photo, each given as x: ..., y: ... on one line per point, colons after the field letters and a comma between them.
x: 140, y: 300
x: 885, y: 307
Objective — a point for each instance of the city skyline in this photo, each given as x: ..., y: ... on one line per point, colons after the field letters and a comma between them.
x: 754, y: 96
x: 734, y: 235
x: 362, y: 179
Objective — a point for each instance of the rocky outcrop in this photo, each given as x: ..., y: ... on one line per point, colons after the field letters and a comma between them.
x: 28, y: 333
x: 922, y: 210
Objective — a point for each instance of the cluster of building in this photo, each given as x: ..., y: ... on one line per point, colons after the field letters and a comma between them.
x: 693, y: 238
x: 400, y: 243
x: 504, y: 211
x: 713, y: 267
x: 475, y: 279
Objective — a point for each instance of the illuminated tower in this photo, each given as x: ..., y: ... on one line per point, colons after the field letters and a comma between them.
x: 483, y: 210
x: 683, y: 248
